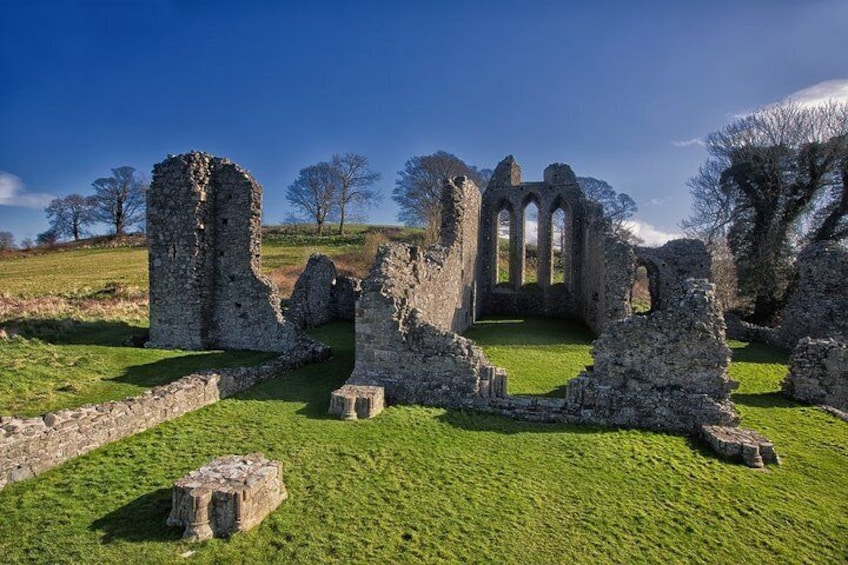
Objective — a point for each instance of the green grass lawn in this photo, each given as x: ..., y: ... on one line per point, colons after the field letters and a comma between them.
x: 525, y: 348
x: 89, y: 363
x: 426, y: 485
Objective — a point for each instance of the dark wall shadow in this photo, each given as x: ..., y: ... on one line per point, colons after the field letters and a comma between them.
x: 760, y: 353
x: 69, y: 331
x: 474, y: 421
x: 765, y: 400
x: 167, y: 370
x: 141, y: 520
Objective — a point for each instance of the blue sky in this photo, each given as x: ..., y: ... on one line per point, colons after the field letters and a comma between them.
x: 611, y: 88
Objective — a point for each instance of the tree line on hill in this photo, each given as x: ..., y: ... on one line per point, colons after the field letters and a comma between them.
x: 330, y: 190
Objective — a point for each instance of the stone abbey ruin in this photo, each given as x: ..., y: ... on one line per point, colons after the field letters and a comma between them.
x: 664, y: 370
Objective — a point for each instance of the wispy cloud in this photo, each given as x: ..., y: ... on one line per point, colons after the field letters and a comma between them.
x: 652, y: 236
x: 822, y: 93
x: 13, y: 193
x: 689, y: 142
x: 659, y: 201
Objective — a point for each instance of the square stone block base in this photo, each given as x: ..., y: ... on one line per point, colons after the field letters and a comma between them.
x: 230, y: 494
x: 357, y: 402
x: 754, y: 449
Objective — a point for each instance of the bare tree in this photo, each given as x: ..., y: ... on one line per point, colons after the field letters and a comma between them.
x: 773, y: 181
x: 418, y: 188
x: 356, y: 184
x: 70, y: 215
x: 7, y: 240
x: 120, y: 199
x: 315, y: 193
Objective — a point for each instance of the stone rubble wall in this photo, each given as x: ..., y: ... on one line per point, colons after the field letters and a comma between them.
x: 671, y: 264
x: 663, y: 371
x: 818, y: 308
x: 321, y: 296
x: 207, y: 291
x: 818, y: 373
x: 29, y: 446
x: 413, y: 306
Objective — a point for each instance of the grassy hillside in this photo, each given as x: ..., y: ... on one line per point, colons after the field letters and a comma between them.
x: 415, y: 485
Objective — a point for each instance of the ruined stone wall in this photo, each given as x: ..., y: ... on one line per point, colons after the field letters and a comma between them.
x: 206, y: 288
x: 668, y: 266
x: 663, y: 371
x: 818, y: 373
x: 413, y: 306
x: 598, y: 267
x: 320, y: 295
x: 33, y: 445
x: 818, y: 307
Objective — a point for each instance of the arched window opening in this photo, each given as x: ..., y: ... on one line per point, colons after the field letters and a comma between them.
x: 560, y: 246
x: 505, y: 232
x: 640, y: 294
x: 531, y: 243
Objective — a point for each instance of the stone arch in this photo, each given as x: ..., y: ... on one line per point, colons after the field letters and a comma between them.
x: 652, y: 278
x: 561, y: 238
x: 503, y: 253
x: 529, y: 240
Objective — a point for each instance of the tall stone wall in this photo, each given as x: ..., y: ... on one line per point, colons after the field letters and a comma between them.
x: 818, y: 373
x: 206, y: 289
x: 663, y: 371
x: 670, y: 265
x: 598, y: 266
x: 320, y: 295
x: 818, y: 307
x: 413, y: 306
x: 33, y: 445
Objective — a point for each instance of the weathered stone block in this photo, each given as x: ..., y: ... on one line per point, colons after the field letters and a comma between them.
x: 230, y: 494
x: 753, y: 448
x: 357, y: 402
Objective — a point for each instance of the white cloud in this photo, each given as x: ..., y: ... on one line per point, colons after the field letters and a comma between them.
x: 822, y: 93
x: 651, y: 236
x: 689, y: 142
x: 13, y: 193
x: 659, y: 201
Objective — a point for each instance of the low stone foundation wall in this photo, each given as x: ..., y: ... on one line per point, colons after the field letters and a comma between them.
x: 29, y: 446
x: 818, y: 373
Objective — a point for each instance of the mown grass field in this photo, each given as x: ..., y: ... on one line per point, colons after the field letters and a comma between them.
x: 425, y: 485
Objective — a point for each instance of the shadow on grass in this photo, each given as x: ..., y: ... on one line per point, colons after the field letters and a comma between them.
x: 760, y: 353
x: 529, y: 331
x: 473, y: 421
x: 167, y: 370
x: 68, y: 331
x: 765, y: 400
x: 141, y: 520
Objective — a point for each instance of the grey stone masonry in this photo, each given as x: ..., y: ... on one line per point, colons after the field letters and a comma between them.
x: 29, y: 446
x: 231, y: 494
x: 668, y: 266
x: 754, y: 449
x: 320, y: 295
x: 598, y: 267
x: 663, y: 371
x: 412, y: 308
x: 818, y: 373
x: 357, y: 402
x: 206, y: 290
x: 818, y: 307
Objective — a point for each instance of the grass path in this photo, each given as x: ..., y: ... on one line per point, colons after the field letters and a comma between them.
x: 426, y: 485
